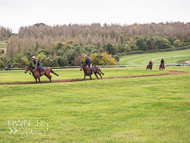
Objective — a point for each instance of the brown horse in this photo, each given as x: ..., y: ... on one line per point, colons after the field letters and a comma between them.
x: 36, y: 74
x: 149, y: 66
x: 87, y: 71
x: 162, y: 67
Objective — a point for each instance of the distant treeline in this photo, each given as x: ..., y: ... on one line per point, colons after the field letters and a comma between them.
x: 5, y: 33
x: 62, y: 45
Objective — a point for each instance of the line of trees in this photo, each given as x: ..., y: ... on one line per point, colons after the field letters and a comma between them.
x: 62, y: 45
x: 5, y: 33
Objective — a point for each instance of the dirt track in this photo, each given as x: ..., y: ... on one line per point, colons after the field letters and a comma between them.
x: 74, y: 80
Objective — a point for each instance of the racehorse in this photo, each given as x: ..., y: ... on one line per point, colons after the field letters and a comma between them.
x: 8, y: 67
x: 36, y: 73
x: 149, y: 66
x: 162, y: 67
x: 87, y: 71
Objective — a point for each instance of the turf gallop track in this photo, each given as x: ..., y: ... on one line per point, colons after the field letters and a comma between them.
x: 74, y: 80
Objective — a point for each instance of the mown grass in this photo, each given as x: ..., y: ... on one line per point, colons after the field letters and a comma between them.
x: 183, y: 61
x: 3, y: 44
x: 15, y: 76
x: 149, y: 109
x: 143, y: 59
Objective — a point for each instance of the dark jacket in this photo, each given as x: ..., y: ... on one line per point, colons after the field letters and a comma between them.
x: 162, y: 61
x: 36, y: 62
x: 87, y: 62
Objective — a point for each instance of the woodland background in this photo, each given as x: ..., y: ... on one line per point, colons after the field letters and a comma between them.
x: 63, y: 45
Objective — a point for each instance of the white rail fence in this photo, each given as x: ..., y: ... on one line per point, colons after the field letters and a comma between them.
x: 107, y: 66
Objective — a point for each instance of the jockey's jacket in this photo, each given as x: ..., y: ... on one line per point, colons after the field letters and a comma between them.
x: 87, y: 62
x: 36, y: 62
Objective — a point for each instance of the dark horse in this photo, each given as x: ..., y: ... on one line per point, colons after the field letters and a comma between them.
x: 8, y: 67
x: 149, y: 66
x: 87, y: 71
x: 162, y: 66
x: 36, y: 73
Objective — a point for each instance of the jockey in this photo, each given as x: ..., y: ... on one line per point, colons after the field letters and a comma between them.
x: 150, y: 63
x: 162, y: 61
x: 37, y: 64
x: 88, y: 63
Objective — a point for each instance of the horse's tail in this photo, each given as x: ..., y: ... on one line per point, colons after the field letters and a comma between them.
x: 101, y: 72
x: 54, y: 72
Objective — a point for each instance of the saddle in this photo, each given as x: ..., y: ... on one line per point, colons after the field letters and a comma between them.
x: 41, y: 69
x: 92, y: 68
x: 149, y: 66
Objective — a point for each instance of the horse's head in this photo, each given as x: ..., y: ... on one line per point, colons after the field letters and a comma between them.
x: 82, y: 67
x: 26, y: 69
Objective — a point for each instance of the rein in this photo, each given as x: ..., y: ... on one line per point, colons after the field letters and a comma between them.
x: 31, y: 70
x: 85, y: 69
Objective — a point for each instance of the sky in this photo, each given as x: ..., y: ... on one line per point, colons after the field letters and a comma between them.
x: 17, y: 13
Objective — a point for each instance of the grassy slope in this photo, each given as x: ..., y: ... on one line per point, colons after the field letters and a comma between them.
x: 143, y: 59
x: 3, y: 44
x: 11, y: 76
x: 151, y: 109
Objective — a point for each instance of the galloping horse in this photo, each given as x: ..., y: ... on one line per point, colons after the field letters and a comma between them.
x: 149, y: 66
x: 8, y: 67
x: 36, y: 73
x: 87, y: 71
x: 162, y: 67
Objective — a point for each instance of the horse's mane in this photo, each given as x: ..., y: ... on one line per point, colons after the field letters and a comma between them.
x: 31, y: 67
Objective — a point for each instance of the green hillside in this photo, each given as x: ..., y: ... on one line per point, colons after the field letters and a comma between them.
x: 143, y: 59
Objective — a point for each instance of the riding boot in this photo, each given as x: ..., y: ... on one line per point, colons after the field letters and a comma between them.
x: 92, y: 71
x: 40, y: 72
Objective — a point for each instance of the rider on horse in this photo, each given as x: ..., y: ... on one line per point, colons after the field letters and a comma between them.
x: 88, y: 63
x: 162, y: 61
x: 37, y: 64
x: 150, y: 63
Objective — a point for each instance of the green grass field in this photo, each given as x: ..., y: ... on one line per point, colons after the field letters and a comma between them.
x: 147, y: 109
x: 19, y: 76
x: 143, y: 59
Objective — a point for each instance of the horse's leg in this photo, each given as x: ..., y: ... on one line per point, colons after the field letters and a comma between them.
x: 36, y: 80
x: 100, y: 74
x: 96, y: 75
x: 84, y: 76
x: 90, y: 77
x: 48, y: 76
x: 39, y: 79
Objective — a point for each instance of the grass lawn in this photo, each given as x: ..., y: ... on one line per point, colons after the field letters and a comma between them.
x: 143, y: 59
x: 147, y: 109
